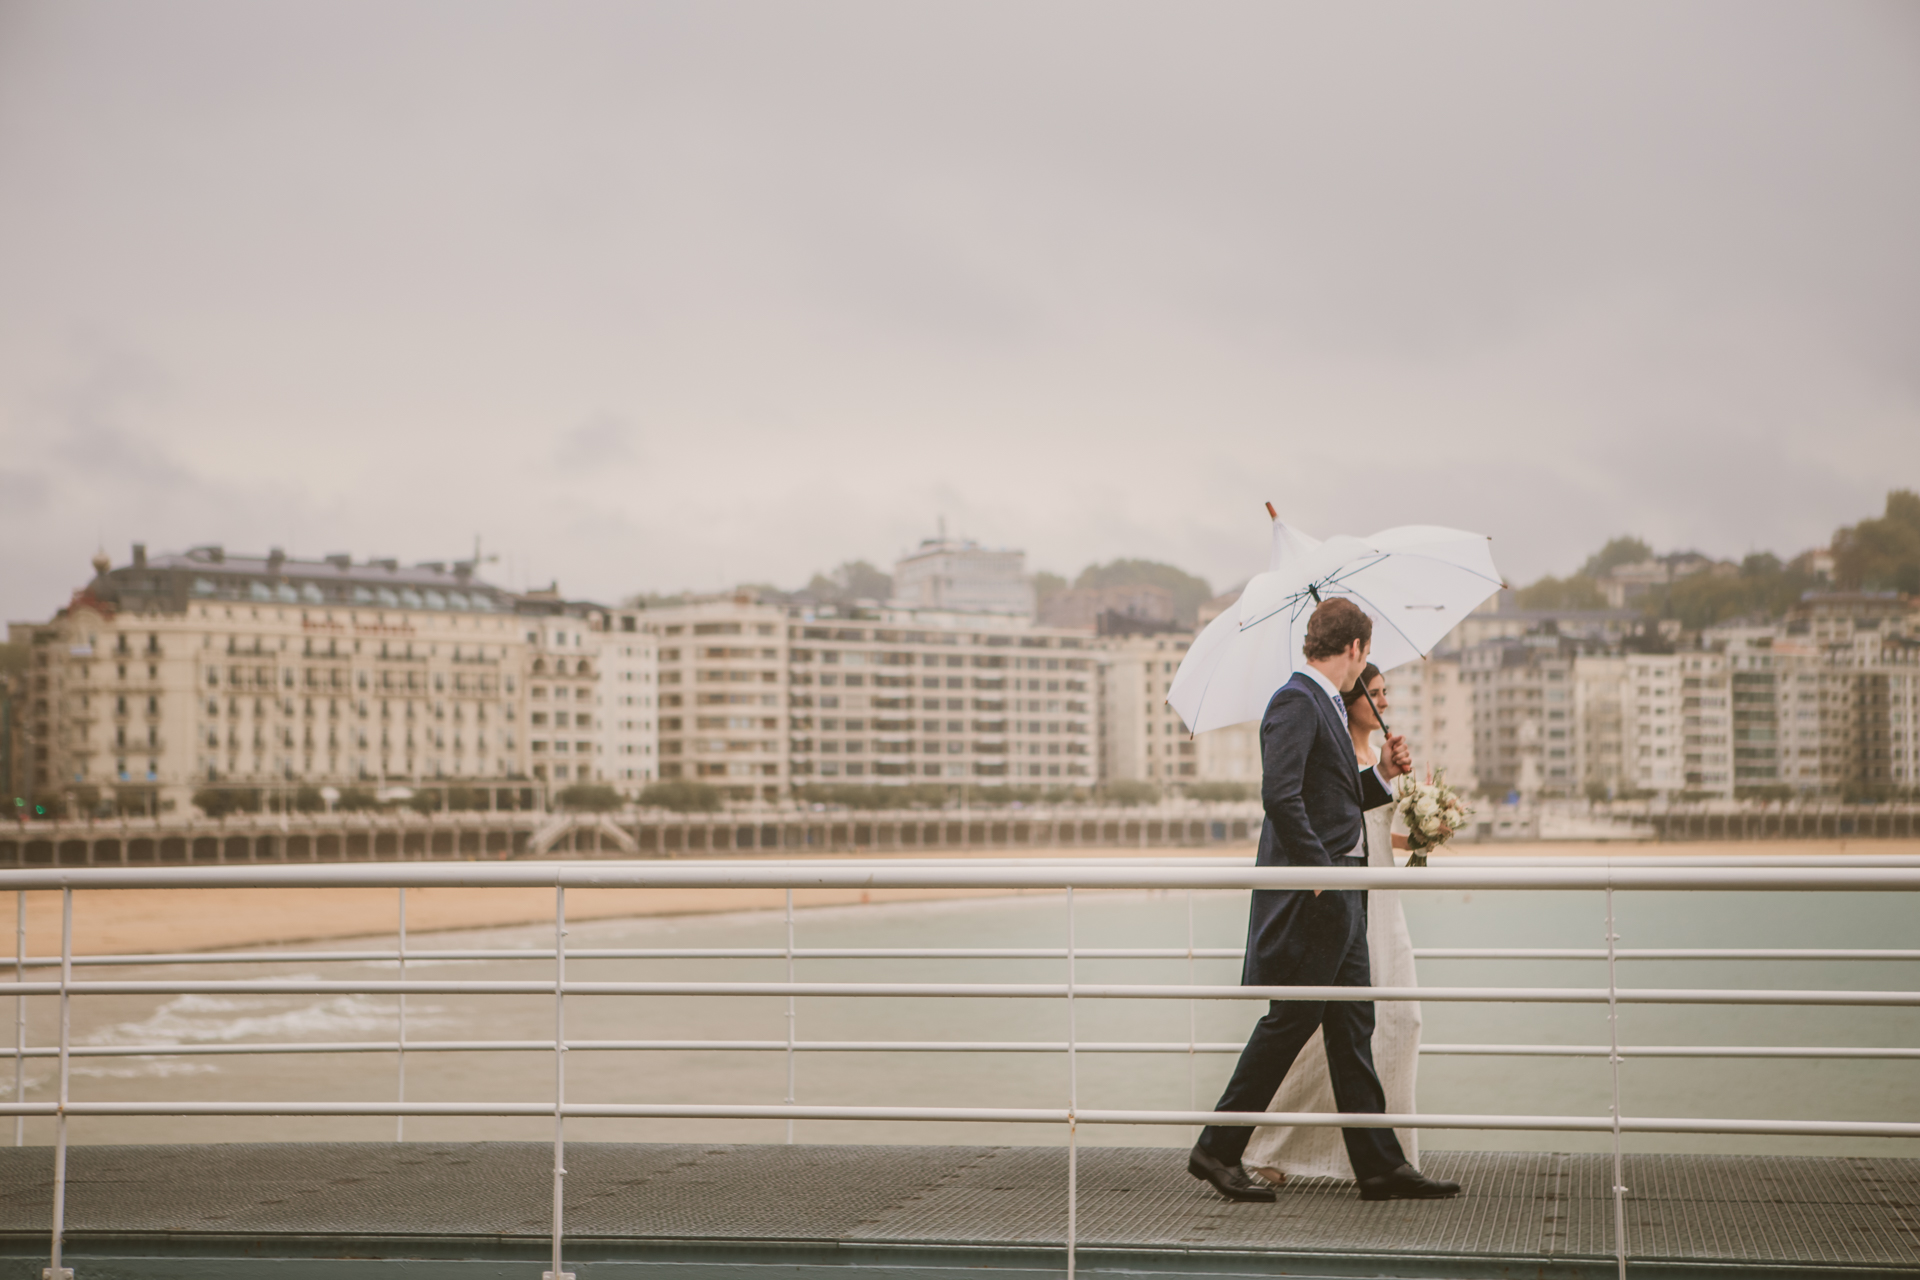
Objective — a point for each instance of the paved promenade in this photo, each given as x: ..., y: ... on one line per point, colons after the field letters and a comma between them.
x: 483, y: 1209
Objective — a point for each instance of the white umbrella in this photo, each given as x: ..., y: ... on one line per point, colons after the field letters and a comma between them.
x: 1416, y: 582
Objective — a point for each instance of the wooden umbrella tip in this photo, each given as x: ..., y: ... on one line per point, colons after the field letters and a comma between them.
x: 1271, y: 513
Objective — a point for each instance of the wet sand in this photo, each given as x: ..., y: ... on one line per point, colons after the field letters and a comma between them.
x: 170, y: 920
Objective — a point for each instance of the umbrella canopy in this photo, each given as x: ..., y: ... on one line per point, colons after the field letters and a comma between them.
x: 1416, y: 582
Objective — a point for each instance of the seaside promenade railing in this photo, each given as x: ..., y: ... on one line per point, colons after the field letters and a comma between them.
x: 1067, y: 875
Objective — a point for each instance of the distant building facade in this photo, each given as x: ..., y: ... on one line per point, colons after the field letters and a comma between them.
x: 759, y: 697
x: 562, y: 670
x: 1433, y: 707
x: 960, y: 575
x: 1083, y: 608
x: 176, y: 672
x: 1523, y: 714
x: 627, y: 703
x: 1143, y: 739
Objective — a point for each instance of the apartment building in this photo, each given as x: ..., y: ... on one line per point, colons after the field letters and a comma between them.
x: 172, y: 672
x: 724, y: 681
x: 1142, y: 739
x: 1521, y: 695
x: 1433, y: 707
x: 1790, y: 720
x: 1097, y: 608
x: 561, y: 670
x: 1677, y: 723
x: 1599, y: 708
x: 758, y: 697
x: 1886, y: 723
x: 626, y: 702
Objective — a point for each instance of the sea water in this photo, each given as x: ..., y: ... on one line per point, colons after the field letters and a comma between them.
x: 1705, y: 1087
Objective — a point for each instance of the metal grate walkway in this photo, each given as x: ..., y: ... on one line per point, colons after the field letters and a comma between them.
x: 1763, y: 1211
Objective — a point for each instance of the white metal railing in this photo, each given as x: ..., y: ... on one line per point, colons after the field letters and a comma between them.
x: 1064, y: 874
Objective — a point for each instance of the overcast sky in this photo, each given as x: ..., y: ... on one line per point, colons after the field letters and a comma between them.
x: 663, y: 295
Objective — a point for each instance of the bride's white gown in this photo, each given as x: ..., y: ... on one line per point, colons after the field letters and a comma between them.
x: 1320, y: 1151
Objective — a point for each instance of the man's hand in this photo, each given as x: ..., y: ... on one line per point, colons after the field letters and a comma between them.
x: 1395, y: 759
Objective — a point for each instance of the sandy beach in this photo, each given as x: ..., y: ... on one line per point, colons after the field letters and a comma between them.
x: 170, y: 920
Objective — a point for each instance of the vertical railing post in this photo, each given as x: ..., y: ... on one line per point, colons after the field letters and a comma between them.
x: 790, y: 1013
x: 1193, y: 1033
x: 54, y: 1270
x: 559, y: 1076
x: 1073, y: 1101
x: 1613, y: 1060
x: 20, y: 1016
x: 400, y: 1091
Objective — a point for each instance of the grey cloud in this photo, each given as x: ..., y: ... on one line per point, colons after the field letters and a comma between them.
x: 601, y: 441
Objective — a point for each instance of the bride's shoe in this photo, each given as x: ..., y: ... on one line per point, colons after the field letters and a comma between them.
x: 1272, y: 1177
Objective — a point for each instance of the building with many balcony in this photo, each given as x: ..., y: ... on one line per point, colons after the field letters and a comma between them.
x: 758, y: 697
x: 175, y: 672
x: 626, y: 702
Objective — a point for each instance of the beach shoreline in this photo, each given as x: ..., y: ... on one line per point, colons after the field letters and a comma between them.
x: 146, y: 921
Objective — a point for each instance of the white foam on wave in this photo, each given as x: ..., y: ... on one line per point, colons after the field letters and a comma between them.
x: 207, y: 1019
x: 141, y: 1069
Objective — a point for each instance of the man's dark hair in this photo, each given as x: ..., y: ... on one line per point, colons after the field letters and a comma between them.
x: 1336, y: 624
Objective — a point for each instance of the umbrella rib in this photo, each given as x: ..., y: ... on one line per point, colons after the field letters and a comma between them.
x: 1390, y: 622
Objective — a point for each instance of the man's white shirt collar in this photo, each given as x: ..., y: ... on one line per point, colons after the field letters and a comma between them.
x: 1333, y: 691
x: 1340, y: 706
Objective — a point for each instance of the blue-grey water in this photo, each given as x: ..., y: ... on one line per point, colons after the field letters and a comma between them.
x: 1806, y: 1089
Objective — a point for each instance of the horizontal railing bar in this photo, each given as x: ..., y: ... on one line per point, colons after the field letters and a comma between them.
x: 1445, y: 860
x: 1666, y: 1051
x: 415, y: 955
x: 944, y: 953
x: 1653, y: 953
x: 703, y: 1111
x: 932, y: 1046
x: 977, y: 990
x: 854, y: 875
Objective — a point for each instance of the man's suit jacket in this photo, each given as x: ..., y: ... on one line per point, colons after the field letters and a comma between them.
x: 1315, y: 797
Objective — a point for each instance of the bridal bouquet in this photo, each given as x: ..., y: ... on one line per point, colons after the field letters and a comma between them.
x: 1433, y: 812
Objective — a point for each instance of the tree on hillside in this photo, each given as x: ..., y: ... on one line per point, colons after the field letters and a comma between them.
x: 1883, y: 554
x: 853, y: 580
x: 1189, y: 592
x: 1763, y: 588
x: 1575, y: 591
x: 1045, y: 586
x: 1618, y: 551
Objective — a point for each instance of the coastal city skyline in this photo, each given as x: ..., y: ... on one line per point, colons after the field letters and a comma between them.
x: 203, y: 675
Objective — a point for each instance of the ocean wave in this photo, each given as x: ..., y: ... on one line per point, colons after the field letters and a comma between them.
x: 204, y: 1019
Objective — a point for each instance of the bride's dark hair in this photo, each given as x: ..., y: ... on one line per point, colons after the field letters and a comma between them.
x: 1358, y: 691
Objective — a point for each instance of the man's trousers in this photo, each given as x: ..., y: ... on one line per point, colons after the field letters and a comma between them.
x: 1339, y: 917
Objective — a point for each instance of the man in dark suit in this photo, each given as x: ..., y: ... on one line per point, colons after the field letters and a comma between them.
x: 1315, y: 794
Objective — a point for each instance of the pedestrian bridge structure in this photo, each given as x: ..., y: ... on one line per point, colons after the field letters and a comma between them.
x: 1057, y: 1206
x: 466, y: 1211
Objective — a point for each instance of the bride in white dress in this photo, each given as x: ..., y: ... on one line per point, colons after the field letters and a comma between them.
x: 1277, y: 1154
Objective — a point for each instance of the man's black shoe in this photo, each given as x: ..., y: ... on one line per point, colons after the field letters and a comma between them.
x: 1407, y: 1183
x: 1230, y: 1180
